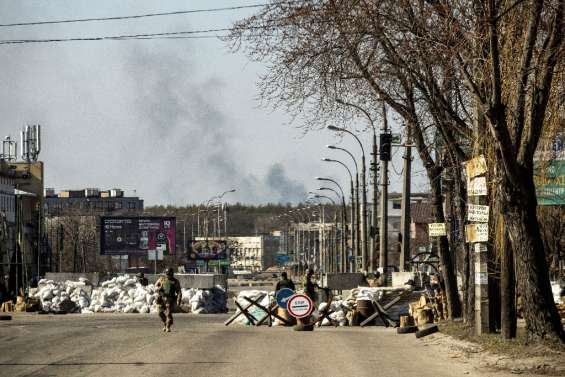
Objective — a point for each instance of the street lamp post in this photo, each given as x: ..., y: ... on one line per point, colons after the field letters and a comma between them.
x: 343, y: 260
x: 354, y: 208
x: 342, y: 250
x: 364, y: 249
x: 358, y: 207
x: 332, y: 253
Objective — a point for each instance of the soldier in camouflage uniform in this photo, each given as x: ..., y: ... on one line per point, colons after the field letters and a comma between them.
x: 170, y: 295
x: 309, y: 285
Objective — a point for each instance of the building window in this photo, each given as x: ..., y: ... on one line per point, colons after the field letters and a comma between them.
x: 131, y: 205
x: 396, y: 205
x: 118, y: 205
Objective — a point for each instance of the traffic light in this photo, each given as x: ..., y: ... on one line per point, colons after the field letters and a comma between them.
x: 385, y: 140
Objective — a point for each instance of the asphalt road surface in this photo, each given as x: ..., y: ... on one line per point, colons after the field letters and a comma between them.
x: 134, y: 345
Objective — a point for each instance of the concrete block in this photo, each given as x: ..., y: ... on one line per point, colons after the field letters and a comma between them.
x: 399, y: 279
x: 200, y: 281
x: 341, y: 281
x: 93, y: 277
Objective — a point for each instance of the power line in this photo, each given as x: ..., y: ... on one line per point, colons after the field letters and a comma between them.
x: 165, y: 35
x: 210, y: 10
x: 184, y: 34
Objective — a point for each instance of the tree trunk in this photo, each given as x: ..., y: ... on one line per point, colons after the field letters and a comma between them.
x: 446, y: 262
x: 519, y: 209
x: 508, y: 290
x: 467, y: 269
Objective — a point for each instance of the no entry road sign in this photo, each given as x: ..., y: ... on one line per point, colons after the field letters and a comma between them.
x: 300, y: 306
x: 282, y: 297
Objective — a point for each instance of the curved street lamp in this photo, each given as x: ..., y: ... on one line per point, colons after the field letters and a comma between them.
x: 364, y: 225
x: 343, y: 221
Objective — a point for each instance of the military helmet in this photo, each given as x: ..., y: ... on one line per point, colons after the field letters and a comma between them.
x: 169, y: 272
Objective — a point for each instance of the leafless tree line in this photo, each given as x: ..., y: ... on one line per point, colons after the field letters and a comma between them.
x: 465, y: 77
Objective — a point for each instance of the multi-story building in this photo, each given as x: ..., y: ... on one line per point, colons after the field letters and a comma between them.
x: 91, y: 202
x: 253, y: 253
x: 7, y: 193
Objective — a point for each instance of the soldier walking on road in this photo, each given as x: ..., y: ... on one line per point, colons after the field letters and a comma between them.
x: 170, y: 295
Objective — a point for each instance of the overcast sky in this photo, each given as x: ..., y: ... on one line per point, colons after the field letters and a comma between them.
x: 176, y: 120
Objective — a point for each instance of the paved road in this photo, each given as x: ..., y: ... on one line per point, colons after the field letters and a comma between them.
x: 133, y: 345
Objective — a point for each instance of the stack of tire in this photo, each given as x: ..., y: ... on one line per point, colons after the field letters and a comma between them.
x: 407, y: 326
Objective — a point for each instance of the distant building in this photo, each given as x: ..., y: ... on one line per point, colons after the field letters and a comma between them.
x: 421, y: 215
x: 91, y: 202
x: 253, y: 253
x: 7, y: 194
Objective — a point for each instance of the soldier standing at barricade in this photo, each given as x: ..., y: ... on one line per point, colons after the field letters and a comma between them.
x: 309, y: 286
x: 285, y: 282
x: 141, y: 279
x: 170, y: 294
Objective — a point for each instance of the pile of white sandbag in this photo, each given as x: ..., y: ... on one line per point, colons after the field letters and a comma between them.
x: 123, y: 294
x: 338, y: 307
x: 205, y: 301
x: 70, y: 296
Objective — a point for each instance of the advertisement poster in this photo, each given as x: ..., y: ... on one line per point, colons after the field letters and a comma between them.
x: 137, y: 235
x: 208, y: 249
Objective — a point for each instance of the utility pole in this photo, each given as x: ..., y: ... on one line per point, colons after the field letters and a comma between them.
x: 374, y: 215
x: 364, y: 230
x: 385, y: 158
x: 357, y: 223
x: 405, y: 217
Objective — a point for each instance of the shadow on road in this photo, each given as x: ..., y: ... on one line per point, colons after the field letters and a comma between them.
x: 139, y: 363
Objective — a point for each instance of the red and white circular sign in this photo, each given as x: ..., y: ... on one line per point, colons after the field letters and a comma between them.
x: 299, y: 306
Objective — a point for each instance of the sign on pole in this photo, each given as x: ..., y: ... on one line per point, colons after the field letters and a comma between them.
x: 476, y: 232
x: 155, y: 254
x: 396, y: 139
x: 476, y: 166
x: 477, y: 186
x: 436, y: 229
x: 282, y: 296
x: 477, y: 213
x: 299, y: 306
x: 550, y: 183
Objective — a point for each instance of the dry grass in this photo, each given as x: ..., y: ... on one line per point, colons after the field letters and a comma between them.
x: 519, y: 348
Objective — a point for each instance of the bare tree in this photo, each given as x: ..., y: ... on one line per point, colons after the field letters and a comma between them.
x: 454, y: 71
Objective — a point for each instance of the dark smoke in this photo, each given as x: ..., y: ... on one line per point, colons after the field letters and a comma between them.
x: 284, y: 189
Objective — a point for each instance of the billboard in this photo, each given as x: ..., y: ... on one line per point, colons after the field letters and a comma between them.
x: 208, y: 249
x: 137, y: 235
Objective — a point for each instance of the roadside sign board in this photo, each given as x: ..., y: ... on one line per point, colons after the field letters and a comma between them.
x: 476, y: 167
x: 282, y: 296
x: 396, y: 139
x: 476, y: 232
x: 152, y: 254
x: 299, y: 306
x: 477, y: 186
x: 481, y: 278
x: 436, y: 229
x: 283, y: 259
x: 550, y: 183
x: 477, y: 213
